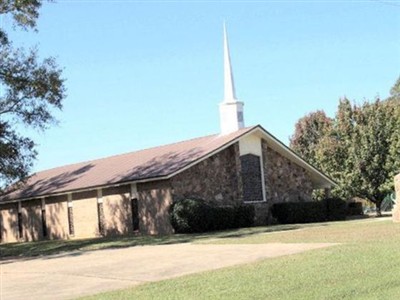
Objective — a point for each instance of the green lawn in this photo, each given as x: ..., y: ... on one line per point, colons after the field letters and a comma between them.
x: 365, y: 266
x: 61, y: 246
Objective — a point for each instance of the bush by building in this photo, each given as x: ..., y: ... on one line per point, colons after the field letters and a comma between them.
x: 195, y: 215
x: 355, y: 209
x: 330, y: 209
x: 335, y: 209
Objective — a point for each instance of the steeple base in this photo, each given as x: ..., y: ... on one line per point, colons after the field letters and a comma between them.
x: 231, y: 116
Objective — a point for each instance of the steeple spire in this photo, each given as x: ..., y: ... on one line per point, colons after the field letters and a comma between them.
x: 229, y: 84
x: 231, y: 110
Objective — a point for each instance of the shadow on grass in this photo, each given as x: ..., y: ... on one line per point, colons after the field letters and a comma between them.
x: 44, y: 249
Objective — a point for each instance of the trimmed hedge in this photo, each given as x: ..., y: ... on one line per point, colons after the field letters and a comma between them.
x: 194, y: 215
x: 190, y: 215
x: 298, y: 212
x: 355, y: 209
x: 330, y: 209
x: 336, y: 209
x: 244, y: 216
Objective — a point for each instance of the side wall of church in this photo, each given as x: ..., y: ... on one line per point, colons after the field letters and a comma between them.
x: 82, y: 217
x: 95, y: 213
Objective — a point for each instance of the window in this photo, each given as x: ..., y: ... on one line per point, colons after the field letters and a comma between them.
x: 1, y: 228
x: 240, y: 116
x: 71, y: 220
x: 100, y: 215
x: 135, y: 214
x: 44, y: 224
x: 251, y: 178
x: 20, y: 228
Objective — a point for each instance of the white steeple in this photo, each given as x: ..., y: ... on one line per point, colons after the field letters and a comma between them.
x: 231, y: 110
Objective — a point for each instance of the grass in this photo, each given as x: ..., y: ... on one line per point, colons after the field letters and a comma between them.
x: 42, y: 248
x: 365, y: 266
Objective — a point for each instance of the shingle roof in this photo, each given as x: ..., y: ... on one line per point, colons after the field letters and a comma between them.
x: 139, y: 165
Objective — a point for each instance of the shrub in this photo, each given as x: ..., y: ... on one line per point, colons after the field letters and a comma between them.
x: 336, y: 209
x: 298, y: 212
x: 355, y: 209
x: 244, y: 216
x: 190, y: 215
x: 329, y: 209
x: 221, y: 217
x: 193, y: 215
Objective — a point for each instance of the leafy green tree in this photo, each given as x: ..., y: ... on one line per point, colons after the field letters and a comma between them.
x: 371, y: 143
x: 360, y: 149
x: 395, y: 91
x: 334, y: 150
x: 29, y: 90
x: 309, y: 131
x: 393, y: 162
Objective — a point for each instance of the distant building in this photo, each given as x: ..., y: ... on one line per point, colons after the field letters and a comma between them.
x: 133, y: 192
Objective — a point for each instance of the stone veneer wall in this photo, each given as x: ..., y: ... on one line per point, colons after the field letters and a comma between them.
x: 285, y: 181
x: 215, y: 179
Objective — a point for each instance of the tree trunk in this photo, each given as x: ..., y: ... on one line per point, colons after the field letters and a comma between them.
x: 378, y: 208
x: 378, y: 211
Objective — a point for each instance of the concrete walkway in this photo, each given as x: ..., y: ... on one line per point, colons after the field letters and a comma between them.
x: 75, y: 274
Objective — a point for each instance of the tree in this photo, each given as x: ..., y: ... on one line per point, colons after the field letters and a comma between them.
x: 360, y: 149
x: 371, y: 152
x: 395, y: 90
x: 309, y: 131
x: 30, y: 90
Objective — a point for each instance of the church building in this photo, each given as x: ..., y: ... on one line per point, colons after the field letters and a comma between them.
x: 133, y: 192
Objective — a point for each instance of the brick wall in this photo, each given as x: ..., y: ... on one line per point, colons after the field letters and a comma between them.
x: 86, y: 222
x: 9, y: 223
x: 117, y: 211
x: 154, y: 201
x: 32, y: 220
x: 57, y: 217
x: 215, y: 179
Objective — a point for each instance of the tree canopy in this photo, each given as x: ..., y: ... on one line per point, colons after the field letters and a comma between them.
x: 359, y: 148
x: 30, y: 89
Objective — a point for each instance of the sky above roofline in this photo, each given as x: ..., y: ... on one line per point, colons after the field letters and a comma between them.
x: 144, y: 73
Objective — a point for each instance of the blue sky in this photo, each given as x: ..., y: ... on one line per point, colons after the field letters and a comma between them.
x: 145, y: 73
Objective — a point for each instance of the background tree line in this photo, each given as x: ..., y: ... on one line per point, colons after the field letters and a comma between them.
x: 359, y: 148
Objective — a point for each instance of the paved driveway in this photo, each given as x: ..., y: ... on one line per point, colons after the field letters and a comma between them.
x: 75, y: 274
